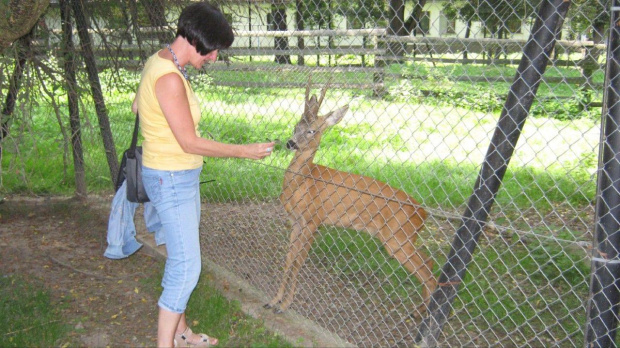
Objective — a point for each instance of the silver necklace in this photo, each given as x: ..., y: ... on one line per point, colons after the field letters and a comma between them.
x: 176, y: 62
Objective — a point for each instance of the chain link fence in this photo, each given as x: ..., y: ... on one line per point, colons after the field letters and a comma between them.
x: 428, y: 85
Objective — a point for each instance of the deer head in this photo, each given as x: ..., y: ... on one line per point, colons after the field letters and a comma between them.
x: 308, y: 131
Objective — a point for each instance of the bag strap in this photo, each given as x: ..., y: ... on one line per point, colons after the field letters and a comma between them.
x: 134, y: 140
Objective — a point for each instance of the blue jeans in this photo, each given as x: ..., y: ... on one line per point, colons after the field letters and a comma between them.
x: 175, y: 196
x: 122, y: 229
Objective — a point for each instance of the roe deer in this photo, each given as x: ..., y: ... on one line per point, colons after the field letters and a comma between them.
x: 314, y: 195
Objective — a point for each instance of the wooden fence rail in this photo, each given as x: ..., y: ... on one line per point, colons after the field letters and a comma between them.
x: 377, y: 41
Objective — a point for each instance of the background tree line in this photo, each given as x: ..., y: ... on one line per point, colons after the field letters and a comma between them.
x: 21, y: 27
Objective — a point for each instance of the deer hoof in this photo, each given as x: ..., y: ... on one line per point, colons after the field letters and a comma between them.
x: 267, y: 306
x: 278, y: 310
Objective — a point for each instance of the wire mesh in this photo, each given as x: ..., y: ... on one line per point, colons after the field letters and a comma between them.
x: 425, y: 82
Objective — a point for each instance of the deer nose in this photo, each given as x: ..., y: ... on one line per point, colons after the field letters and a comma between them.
x: 291, y: 145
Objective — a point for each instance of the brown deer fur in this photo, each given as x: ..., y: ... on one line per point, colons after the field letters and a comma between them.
x: 314, y: 195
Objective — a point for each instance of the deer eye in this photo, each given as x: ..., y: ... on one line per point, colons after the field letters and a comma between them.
x: 312, y: 131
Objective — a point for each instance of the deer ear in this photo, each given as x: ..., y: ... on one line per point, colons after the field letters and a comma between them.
x: 335, y: 116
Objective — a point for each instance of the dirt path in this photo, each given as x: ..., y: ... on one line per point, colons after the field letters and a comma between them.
x: 59, y: 243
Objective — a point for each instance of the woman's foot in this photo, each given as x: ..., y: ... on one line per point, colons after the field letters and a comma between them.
x: 189, y: 339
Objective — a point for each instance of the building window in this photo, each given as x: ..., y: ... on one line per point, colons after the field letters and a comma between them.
x: 270, y: 25
x: 451, y: 26
x: 425, y: 22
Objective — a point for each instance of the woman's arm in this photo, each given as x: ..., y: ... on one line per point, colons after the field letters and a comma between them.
x: 134, y: 105
x: 173, y: 101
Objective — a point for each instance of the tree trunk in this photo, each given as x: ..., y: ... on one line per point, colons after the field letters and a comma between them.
x: 18, y: 17
x: 467, y: 34
x: 278, y: 12
x: 68, y: 52
x: 330, y: 26
x: 589, y: 64
x: 412, y: 24
x: 501, y: 34
x: 156, y: 12
x: 133, y: 13
x: 250, y: 25
x: 23, y: 51
x: 95, y: 86
x: 556, y: 51
x: 364, y: 45
x: 299, y: 20
x: 396, y: 27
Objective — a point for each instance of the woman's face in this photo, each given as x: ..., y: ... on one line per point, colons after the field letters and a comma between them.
x: 200, y: 59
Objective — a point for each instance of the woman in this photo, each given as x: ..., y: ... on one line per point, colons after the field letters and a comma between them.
x: 172, y: 159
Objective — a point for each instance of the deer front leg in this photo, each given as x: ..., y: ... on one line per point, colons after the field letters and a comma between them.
x: 303, y: 246
x: 300, y: 244
x: 286, y: 274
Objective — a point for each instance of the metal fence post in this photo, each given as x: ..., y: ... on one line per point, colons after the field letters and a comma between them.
x: 604, y: 293
x: 536, y: 55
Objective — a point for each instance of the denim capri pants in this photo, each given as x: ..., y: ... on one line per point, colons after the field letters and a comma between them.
x: 175, y: 196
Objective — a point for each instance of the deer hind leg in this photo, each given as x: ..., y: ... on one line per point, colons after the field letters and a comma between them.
x: 401, y: 246
x: 301, y: 241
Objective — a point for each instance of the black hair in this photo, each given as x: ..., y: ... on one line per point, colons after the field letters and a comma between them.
x: 205, y: 27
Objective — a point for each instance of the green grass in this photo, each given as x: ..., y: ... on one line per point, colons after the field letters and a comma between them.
x: 208, y: 311
x: 361, y: 258
x: 527, y: 286
x: 511, y: 285
x: 388, y: 145
x: 28, y: 318
x: 394, y: 141
x: 437, y: 84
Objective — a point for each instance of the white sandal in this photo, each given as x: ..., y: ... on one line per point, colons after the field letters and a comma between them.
x: 181, y: 340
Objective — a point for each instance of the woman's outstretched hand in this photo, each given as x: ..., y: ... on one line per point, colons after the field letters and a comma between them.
x: 259, y: 150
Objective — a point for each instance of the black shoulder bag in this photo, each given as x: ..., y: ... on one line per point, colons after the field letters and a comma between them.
x: 131, y: 170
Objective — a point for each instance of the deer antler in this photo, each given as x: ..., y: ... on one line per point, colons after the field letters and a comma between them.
x: 323, y: 91
x: 308, y: 88
x: 312, y: 106
x: 309, y: 103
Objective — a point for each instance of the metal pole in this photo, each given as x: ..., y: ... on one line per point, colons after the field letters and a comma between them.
x: 536, y: 55
x: 602, y: 316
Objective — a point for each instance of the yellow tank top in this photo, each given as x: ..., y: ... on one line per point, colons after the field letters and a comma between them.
x: 160, y: 148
